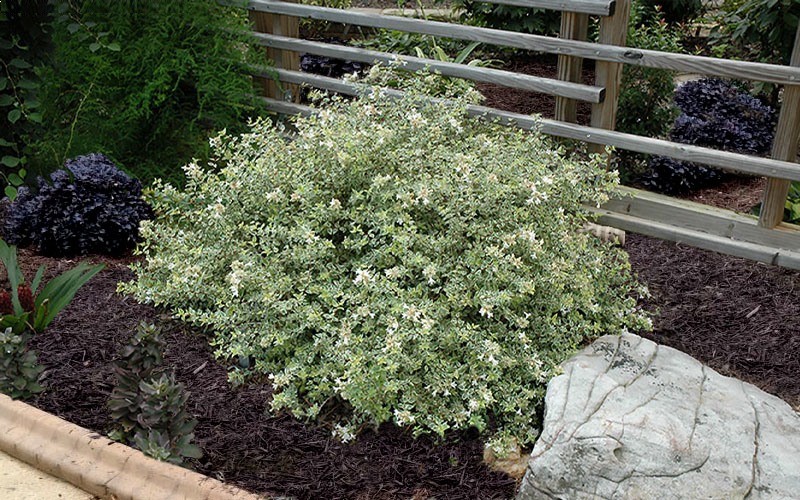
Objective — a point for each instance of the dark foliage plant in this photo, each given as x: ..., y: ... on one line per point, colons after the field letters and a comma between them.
x: 714, y: 114
x: 675, y: 11
x: 329, y: 66
x: 89, y: 207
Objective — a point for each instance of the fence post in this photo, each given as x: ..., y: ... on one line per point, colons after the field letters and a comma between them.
x: 613, y: 31
x: 286, y: 26
x: 784, y: 147
x: 574, y: 26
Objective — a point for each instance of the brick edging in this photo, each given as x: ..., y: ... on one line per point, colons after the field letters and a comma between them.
x: 98, y: 465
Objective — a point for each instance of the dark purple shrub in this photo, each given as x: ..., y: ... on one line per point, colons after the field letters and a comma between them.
x: 329, y: 66
x: 714, y: 114
x: 90, y: 206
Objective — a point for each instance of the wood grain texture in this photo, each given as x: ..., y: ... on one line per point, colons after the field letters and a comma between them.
x: 784, y: 146
x: 574, y: 26
x: 288, y: 26
x: 650, y: 58
x: 551, y: 86
x: 705, y: 218
x: 753, y: 251
x: 595, y: 7
x: 613, y: 31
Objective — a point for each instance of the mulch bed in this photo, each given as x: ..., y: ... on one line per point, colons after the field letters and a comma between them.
x: 740, y: 317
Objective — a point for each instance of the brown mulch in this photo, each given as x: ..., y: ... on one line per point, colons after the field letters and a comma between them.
x: 740, y: 317
x: 242, y: 445
x: 527, y: 102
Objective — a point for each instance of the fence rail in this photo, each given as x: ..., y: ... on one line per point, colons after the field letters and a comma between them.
x: 766, y: 240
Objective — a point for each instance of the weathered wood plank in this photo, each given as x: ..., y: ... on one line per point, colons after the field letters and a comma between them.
x: 594, y: 7
x: 704, y: 218
x: 784, y: 146
x: 574, y: 26
x: 613, y: 31
x: 651, y: 58
x: 747, y: 250
x: 508, y: 78
x: 723, y: 159
x: 279, y: 25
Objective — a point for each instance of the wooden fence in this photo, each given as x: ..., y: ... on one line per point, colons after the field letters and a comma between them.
x: 765, y: 239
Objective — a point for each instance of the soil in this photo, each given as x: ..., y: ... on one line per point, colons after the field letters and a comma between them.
x: 737, y: 316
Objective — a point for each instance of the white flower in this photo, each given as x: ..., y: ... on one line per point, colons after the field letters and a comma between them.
x: 529, y: 235
x: 411, y: 312
x: 335, y: 204
x: 274, y: 195
x: 416, y: 119
x: 345, y: 434
x: 363, y: 277
x: 430, y: 273
x: 216, y: 209
x: 392, y: 273
x: 486, y: 311
x: 403, y: 417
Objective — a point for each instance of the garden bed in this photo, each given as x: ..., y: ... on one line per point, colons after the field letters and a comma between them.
x: 737, y: 316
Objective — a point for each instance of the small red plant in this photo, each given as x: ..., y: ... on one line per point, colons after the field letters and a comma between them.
x: 6, y: 306
x: 25, y: 295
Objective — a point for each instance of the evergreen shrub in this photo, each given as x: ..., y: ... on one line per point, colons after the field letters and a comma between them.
x: 395, y: 262
x: 146, y: 83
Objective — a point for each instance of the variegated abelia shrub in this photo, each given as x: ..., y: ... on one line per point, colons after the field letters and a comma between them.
x: 394, y: 261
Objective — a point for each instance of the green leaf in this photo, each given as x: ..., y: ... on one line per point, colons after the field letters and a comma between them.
x: 73, y: 27
x: 28, y: 84
x: 6, y: 143
x: 6, y: 100
x: 8, y: 256
x: 60, y: 291
x: 94, y: 47
x: 19, y: 63
x: 113, y: 46
x: 37, y: 279
x: 11, y: 192
x: 14, y: 179
x: 3, y: 83
x: 10, y: 161
x: 14, y: 115
x: 22, y: 172
x: 35, y: 117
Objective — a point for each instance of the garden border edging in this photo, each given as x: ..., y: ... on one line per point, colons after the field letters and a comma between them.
x: 98, y: 465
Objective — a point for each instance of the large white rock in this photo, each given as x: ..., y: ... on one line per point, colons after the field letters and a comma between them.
x: 630, y: 419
